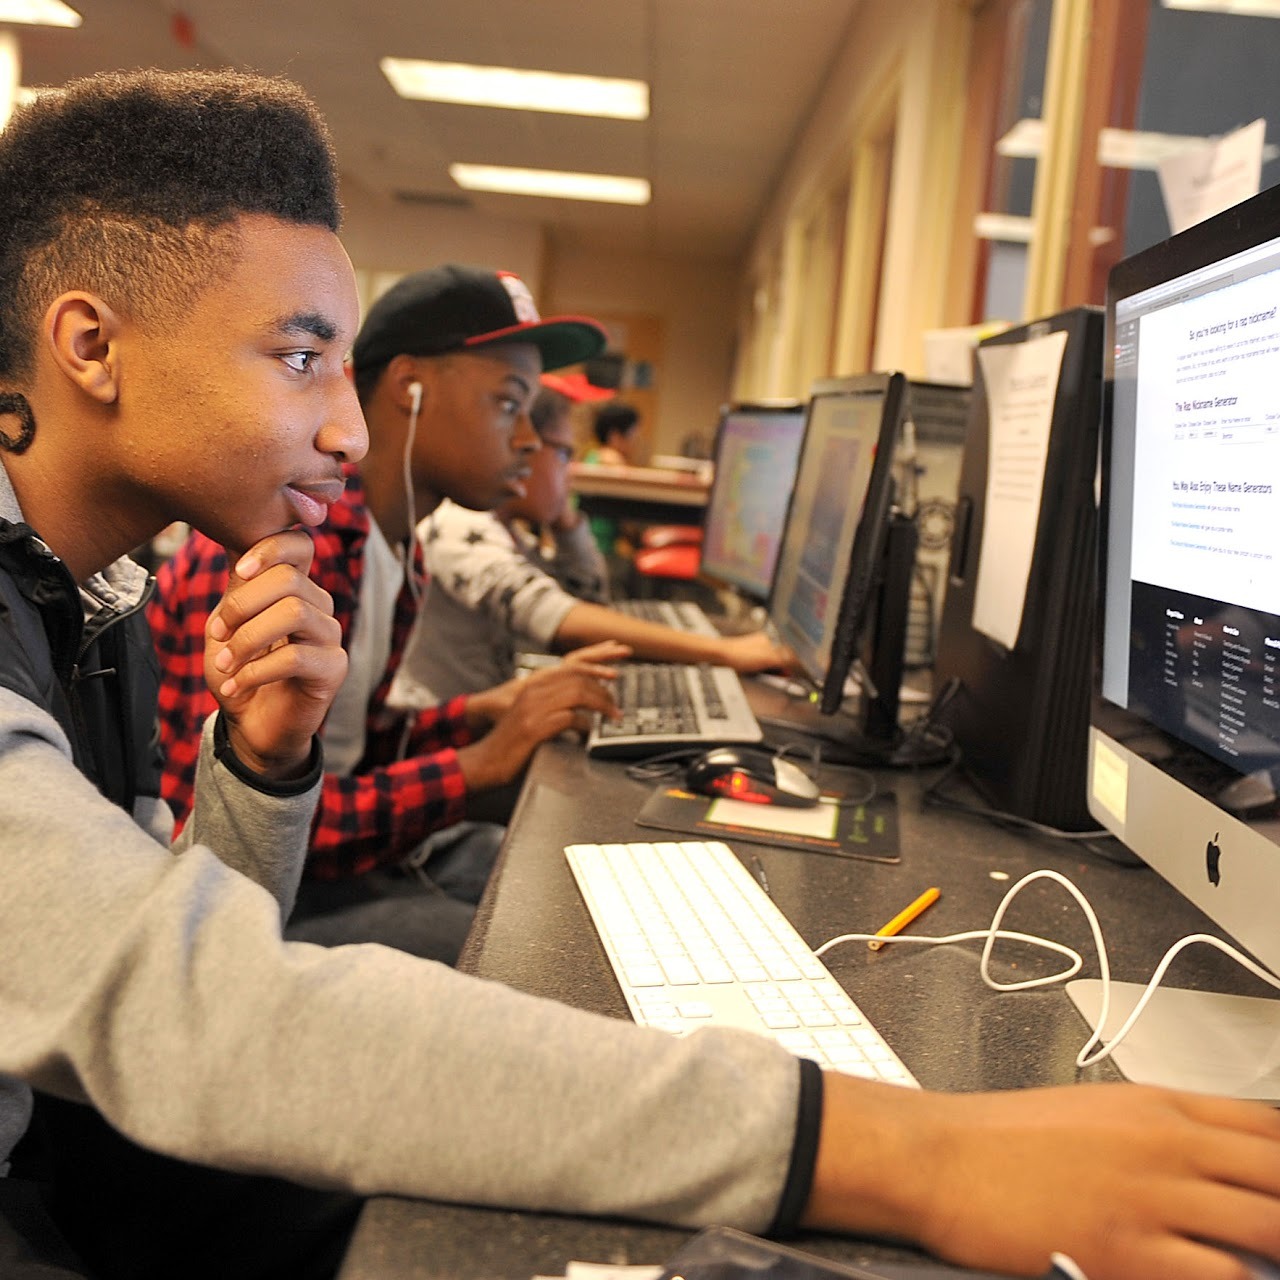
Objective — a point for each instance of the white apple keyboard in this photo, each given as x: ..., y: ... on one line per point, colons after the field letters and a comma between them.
x: 695, y: 941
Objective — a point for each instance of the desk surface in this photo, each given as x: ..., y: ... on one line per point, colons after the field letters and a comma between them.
x: 533, y: 932
x: 639, y: 485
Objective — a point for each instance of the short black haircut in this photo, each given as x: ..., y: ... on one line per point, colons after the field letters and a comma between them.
x: 128, y: 185
x: 613, y: 417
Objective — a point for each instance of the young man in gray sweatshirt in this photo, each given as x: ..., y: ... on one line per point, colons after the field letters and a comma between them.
x: 174, y: 309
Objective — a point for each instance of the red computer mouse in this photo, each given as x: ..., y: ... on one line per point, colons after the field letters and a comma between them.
x: 751, y: 774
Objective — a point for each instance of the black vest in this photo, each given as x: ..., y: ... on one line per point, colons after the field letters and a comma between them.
x: 101, y: 688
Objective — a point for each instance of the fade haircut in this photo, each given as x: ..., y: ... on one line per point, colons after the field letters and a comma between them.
x: 128, y: 185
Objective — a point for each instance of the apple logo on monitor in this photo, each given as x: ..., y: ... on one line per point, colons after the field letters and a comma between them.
x: 1211, y: 855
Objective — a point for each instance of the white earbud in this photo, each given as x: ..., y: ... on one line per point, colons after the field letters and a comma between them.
x: 415, y: 394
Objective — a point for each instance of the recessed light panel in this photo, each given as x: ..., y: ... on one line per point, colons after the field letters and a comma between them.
x: 40, y: 13
x: 517, y: 90
x: 602, y: 187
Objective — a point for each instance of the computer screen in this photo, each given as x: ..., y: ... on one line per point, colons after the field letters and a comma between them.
x: 837, y: 521
x: 1185, y: 733
x: 757, y: 447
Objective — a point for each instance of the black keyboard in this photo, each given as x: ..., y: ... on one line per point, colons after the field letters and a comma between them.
x: 676, y: 704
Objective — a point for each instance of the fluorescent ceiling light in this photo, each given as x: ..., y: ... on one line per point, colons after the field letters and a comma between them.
x: 602, y: 187
x: 519, y: 90
x: 1117, y: 148
x: 40, y: 13
x: 1251, y: 8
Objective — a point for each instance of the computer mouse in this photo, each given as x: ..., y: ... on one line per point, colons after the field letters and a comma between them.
x: 751, y: 774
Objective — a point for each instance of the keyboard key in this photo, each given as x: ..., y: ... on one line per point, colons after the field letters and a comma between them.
x: 672, y: 704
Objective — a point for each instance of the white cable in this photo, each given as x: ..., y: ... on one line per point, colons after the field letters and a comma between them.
x: 410, y: 551
x: 1067, y: 1266
x: 407, y: 466
x: 993, y: 933
x: 972, y: 935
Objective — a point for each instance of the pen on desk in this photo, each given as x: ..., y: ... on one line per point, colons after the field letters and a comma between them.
x: 903, y: 918
x: 760, y: 875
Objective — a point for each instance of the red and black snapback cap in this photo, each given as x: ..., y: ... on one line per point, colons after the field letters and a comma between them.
x: 574, y: 386
x: 457, y: 308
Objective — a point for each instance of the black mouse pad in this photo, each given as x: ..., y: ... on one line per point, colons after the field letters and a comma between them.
x: 868, y: 830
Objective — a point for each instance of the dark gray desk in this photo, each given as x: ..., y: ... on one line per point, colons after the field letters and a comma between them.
x: 533, y: 932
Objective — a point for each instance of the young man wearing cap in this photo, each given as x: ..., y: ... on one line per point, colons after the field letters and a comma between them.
x: 146, y: 990
x: 491, y: 594
x: 393, y: 858
x: 546, y: 522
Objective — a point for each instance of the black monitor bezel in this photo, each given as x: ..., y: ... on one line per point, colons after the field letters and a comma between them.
x: 781, y: 408
x: 870, y: 533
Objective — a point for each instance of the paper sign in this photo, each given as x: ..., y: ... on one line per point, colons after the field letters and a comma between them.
x: 1021, y: 381
x: 1204, y: 180
x: 818, y: 821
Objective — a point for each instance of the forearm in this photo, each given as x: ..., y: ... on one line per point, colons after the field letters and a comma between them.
x: 588, y: 623
x: 100, y: 990
x: 258, y: 828
x: 870, y: 1177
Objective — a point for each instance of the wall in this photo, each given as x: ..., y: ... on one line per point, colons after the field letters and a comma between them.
x: 912, y: 57
x: 386, y: 238
x: 691, y: 300
x: 694, y: 300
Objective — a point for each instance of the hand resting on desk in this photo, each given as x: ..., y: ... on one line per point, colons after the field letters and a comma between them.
x: 1130, y: 1182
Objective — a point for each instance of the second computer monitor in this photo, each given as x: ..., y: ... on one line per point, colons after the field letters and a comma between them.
x: 757, y: 447
x: 837, y: 521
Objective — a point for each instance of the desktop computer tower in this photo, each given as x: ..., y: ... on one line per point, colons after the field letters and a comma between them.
x: 1022, y: 659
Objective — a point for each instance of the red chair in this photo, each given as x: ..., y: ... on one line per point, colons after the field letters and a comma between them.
x: 670, y: 535
x: 668, y: 553
x: 675, y: 563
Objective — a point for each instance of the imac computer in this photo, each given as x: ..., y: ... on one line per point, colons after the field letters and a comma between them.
x: 1184, y: 740
x: 843, y: 578
x: 756, y: 452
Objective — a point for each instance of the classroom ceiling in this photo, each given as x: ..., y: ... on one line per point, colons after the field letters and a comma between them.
x: 731, y: 83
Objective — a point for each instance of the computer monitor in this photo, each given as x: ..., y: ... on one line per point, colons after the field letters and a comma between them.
x: 1184, y: 752
x: 756, y: 451
x: 833, y: 554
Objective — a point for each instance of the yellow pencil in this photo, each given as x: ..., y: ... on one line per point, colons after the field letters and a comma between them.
x: 903, y: 918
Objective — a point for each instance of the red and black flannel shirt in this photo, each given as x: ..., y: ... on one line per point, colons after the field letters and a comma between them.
x: 389, y: 804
